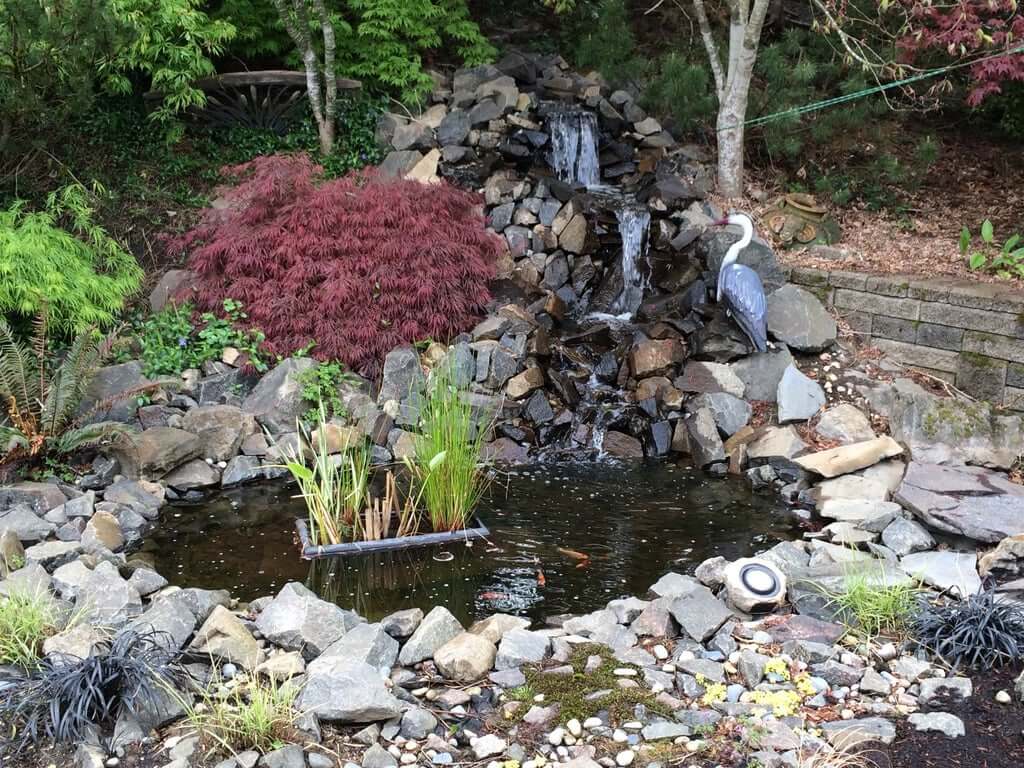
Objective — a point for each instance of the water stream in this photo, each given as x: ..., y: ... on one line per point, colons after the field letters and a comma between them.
x: 634, y: 521
x: 634, y: 224
x: 574, y: 146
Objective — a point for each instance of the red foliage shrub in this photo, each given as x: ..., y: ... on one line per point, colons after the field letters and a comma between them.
x: 358, y: 264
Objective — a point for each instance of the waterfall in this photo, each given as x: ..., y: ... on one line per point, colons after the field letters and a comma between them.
x: 574, y: 147
x: 634, y: 224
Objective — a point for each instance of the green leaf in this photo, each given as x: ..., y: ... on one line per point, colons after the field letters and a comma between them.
x: 1010, y: 244
x: 965, y: 239
x: 300, y: 471
x: 987, y: 232
x: 977, y: 260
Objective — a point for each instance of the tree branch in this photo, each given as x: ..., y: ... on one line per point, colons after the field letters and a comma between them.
x: 711, y: 47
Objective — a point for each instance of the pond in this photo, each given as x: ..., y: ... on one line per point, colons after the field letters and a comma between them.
x: 633, y: 522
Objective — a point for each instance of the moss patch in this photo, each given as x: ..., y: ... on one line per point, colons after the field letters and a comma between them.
x: 960, y: 420
x: 570, y: 692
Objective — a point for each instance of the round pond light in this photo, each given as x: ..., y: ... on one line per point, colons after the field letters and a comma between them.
x: 759, y: 579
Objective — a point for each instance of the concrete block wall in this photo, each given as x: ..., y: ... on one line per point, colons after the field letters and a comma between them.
x: 969, y: 334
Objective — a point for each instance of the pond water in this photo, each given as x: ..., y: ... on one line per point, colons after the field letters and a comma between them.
x: 634, y: 522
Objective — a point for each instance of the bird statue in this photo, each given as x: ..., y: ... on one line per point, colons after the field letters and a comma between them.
x: 741, y: 287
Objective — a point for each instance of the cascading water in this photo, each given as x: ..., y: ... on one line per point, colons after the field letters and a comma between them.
x: 574, y: 147
x: 634, y: 224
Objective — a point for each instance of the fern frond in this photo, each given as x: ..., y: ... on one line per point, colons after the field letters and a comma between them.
x: 16, y: 378
x: 89, y: 435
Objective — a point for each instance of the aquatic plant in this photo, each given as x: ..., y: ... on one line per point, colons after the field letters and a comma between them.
x: 335, y: 490
x: 27, y: 618
x: 358, y: 264
x: 254, y: 713
x: 979, y: 632
x: 448, y: 463
x: 64, y: 698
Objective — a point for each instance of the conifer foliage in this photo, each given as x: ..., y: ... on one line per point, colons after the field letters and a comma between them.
x: 356, y: 265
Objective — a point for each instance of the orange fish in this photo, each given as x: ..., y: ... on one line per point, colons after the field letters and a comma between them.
x: 574, y: 554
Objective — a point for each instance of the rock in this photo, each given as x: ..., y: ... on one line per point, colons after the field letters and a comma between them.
x: 153, y: 453
x: 436, y: 629
x: 288, y: 756
x: 487, y: 746
x: 934, y: 689
x: 401, y: 624
x: 966, y: 501
x: 12, y: 553
x: 412, y: 135
x: 700, y: 614
x: 621, y: 445
x: 220, y: 429
x: 31, y: 579
x: 797, y: 318
x: 105, y: 398
x: 51, y: 554
x: 873, y: 682
x: 297, y: 620
x: 905, y: 537
x: 107, y: 600
x: 282, y: 666
x: 655, y: 357
x: 417, y: 723
x: 465, y: 658
x: 729, y: 412
x: 425, y: 170
x: 707, y: 378
x: 493, y: 628
x: 844, y: 423
x: 705, y: 444
x: 799, y: 397
x: 398, y: 163
x: 225, y: 638
x: 80, y: 641
x: 454, y: 128
x: 242, y: 469
x: 346, y: 691
x: 524, y: 383
x: 754, y: 584
x: 844, y: 735
x: 761, y: 374
x: 655, y: 620
x: 945, y: 570
x: 715, y: 242
x: 140, y: 497
x: 402, y: 375
x: 1006, y: 561
x: 675, y: 585
x: 806, y: 628
x: 850, y: 487
x: 711, y: 572
x: 775, y: 442
x: 942, y: 722
x: 276, y: 402
x: 520, y: 646
x: 850, y: 458
x: 103, y: 531
x: 22, y: 521
x: 368, y: 643
x: 378, y: 757
x: 193, y: 475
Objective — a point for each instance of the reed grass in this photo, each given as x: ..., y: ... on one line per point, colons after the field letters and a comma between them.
x: 26, y: 620
x: 875, y: 607
x: 253, y: 714
x: 448, y: 455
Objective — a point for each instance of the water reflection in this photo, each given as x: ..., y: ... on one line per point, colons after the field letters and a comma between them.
x: 633, y: 522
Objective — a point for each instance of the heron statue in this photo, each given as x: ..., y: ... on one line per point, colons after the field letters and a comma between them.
x: 741, y: 287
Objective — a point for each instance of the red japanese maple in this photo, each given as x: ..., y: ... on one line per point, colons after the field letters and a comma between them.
x: 969, y: 30
x: 358, y: 264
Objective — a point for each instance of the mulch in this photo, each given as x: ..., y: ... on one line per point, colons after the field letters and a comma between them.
x: 993, y: 738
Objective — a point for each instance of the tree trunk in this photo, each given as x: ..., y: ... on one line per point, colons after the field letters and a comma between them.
x: 730, y: 147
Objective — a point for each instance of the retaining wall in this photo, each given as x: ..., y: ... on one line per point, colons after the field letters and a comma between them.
x: 969, y: 334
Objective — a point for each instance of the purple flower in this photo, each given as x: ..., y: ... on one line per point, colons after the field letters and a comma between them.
x: 182, y: 341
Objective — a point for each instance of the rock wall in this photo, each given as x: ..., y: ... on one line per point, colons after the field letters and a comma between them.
x: 969, y: 334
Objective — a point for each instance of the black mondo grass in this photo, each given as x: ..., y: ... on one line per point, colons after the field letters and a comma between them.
x: 65, y: 698
x: 978, y: 633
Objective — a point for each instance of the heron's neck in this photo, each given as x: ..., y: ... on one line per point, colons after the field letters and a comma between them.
x: 734, y: 252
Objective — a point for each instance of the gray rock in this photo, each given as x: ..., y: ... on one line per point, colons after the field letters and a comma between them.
x: 465, y: 658
x: 490, y: 745
x: 700, y: 614
x: 665, y: 730
x: 220, y: 429
x: 494, y: 627
x: 956, y: 571
x: 193, y: 475
x: 297, y: 620
x: 703, y: 438
x: 941, y: 722
x: 873, y: 682
x: 225, y: 638
x: 288, y: 756
x: 936, y: 689
x: 715, y: 242
x: 107, y: 600
x: 399, y: 163
x: 32, y: 579
x: 454, y: 128
x: 729, y: 412
x: 378, y: 757
x: 146, y: 581
x: 761, y: 373
x: 402, y: 375
x: 52, y: 554
x: 276, y: 402
x: 171, y: 619
x: 844, y: 735
x: 242, y: 469
x: 369, y: 643
x: 703, y: 377
x: 105, y: 398
x: 675, y: 585
x: 627, y: 609
x: 655, y: 620
x: 346, y: 691
x: 845, y: 423
x: 436, y: 629
x: 401, y: 624
x: 905, y: 537
x: 798, y: 318
x: 153, y: 453
x: 520, y: 646
x: 24, y: 523
x: 1005, y: 562
x: 135, y: 496
x: 799, y: 397
x: 417, y: 723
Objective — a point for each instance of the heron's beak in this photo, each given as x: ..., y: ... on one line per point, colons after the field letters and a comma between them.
x: 720, y: 222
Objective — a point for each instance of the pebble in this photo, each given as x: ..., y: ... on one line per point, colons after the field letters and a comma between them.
x: 407, y: 759
x: 625, y: 757
x: 624, y: 672
x: 619, y: 736
x: 633, y: 725
x: 592, y: 722
x: 556, y: 736
x: 574, y: 727
x: 660, y: 652
x: 112, y: 762
x: 846, y: 714
x: 1003, y: 697
x: 694, y: 746
x: 229, y: 671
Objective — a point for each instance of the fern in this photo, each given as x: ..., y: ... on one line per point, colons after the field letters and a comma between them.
x: 40, y: 402
x: 81, y: 273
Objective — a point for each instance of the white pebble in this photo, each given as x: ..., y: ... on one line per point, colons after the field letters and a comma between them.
x: 694, y: 746
x: 556, y: 736
x: 1003, y: 697
x: 574, y: 727
x: 590, y: 724
x: 407, y: 758
x: 660, y: 652
x: 625, y: 757
x: 624, y: 672
x: 620, y: 736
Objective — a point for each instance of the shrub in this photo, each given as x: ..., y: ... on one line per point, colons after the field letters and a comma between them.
x: 26, y: 620
x: 254, y: 714
x: 172, y: 343
x: 42, y: 400
x: 80, y: 273
x: 357, y: 265
x: 448, y: 462
x: 321, y: 386
x: 982, y: 631
x: 64, y: 699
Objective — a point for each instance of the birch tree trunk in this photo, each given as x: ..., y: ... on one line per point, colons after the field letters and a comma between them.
x: 732, y: 85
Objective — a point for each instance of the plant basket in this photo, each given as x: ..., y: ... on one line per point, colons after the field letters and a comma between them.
x: 311, y: 552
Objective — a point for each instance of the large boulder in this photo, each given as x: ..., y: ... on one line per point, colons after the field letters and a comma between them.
x: 41, y: 497
x: 155, y: 452
x: 705, y: 443
x: 844, y: 423
x: 729, y: 412
x: 954, y: 571
x: 466, y: 657
x: 277, y: 400
x: 111, y: 394
x: 220, y: 429
x: 347, y: 691
x: 655, y: 357
x: 849, y: 458
x: 369, y: 643
x: 22, y: 521
x: 403, y: 375
x: 797, y: 318
x: 298, y: 620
